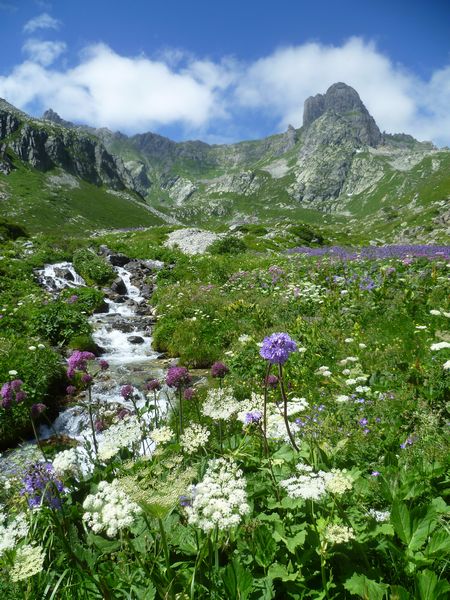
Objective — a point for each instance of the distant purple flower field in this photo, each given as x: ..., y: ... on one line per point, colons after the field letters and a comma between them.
x: 376, y: 252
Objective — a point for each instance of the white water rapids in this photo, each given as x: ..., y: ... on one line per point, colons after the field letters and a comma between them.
x: 130, y: 363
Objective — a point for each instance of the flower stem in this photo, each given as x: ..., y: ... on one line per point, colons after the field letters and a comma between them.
x: 285, y: 401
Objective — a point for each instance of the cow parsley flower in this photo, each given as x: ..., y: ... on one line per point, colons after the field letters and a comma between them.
x: 337, y: 482
x: 439, y: 346
x: 380, y: 516
x: 11, y: 532
x: 29, y: 561
x: 338, y: 534
x: 220, y: 499
x: 194, y: 437
x: 123, y: 434
x: 71, y: 462
x: 110, y: 509
x: 161, y: 435
x: 220, y: 403
x: 307, y: 485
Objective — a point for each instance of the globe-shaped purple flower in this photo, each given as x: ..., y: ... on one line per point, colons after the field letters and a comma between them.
x: 127, y: 391
x: 154, y: 385
x: 219, y: 370
x: 277, y: 347
x: 177, y: 377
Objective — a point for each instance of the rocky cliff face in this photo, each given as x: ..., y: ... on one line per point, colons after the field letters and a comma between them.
x: 341, y: 99
x: 50, y: 143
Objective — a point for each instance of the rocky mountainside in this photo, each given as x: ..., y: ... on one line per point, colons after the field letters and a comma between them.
x: 338, y: 168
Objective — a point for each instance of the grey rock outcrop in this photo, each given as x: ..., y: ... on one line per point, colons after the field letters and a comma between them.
x: 343, y: 100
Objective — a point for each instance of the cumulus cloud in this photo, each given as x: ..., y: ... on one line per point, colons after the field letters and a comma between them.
x: 42, y: 21
x: 202, y: 96
x: 43, y: 52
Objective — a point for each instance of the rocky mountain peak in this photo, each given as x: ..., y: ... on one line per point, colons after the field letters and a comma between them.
x: 51, y: 115
x: 344, y: 101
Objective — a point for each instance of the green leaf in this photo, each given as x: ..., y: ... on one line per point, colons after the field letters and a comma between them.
x: 398, y: 592
x: 360, y: 585
x: 401, y: 521
x: 264, y: 546
x: 429, y: 586
x: 104, y: 545
x: 294, y: 542
x: 277, y: 571
x: 439, y: 543
x: 238, y: 581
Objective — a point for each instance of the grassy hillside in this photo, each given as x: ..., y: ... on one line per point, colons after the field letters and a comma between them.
x: 55, y: 202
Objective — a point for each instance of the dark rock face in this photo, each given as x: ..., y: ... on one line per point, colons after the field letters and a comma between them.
x: 118, y: 260
x: 135, y: 339
x: 118, y: 286
x: 344, y: 101
x: 58, y: 143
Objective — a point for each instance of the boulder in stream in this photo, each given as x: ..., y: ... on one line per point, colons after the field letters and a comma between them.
x: 136, y: 339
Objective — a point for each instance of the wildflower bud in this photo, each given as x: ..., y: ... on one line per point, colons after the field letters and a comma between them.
x: 20, y: 396
x: 153, y: 385
x: 86, y: 378
x: 37, y: 409
x: 71, y: 390
x: 104, y: 364
x: 127, y: 391
x: 219, y: 370
x: 189, y: 393
x: 271, y: 381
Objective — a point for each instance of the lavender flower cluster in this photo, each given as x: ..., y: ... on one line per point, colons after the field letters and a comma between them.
x: 374, y: 252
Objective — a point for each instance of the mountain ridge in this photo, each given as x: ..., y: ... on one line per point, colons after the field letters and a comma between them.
x: 336, y: 164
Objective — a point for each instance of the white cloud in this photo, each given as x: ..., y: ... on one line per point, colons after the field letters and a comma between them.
x: 140, y: 93
x: 43, y: 52
x: 42, y: 21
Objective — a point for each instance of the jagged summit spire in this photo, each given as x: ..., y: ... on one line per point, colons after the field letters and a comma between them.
x: 343, y: 100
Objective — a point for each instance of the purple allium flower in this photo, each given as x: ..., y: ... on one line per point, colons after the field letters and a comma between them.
x: 37, y: 409
x: 86, y: 378
x: 154, y: 385
x: 71, y: 390
x: 277, y: 347
x: 123, y: 412
x: 99, y: 425
x: 77, y: 361
x: 127, y: 391
x: 189, y: 393
x: 41, y: 486
x: 253, y: 416
x: 103, y: 364
x: 271, y: 381
x: 177, y: 377
x: 7, y: 395
x: 16, y: 384
x: 219, y: 370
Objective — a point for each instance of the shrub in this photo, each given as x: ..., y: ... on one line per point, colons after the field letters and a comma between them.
x: 92, y: 268
x: 228, y: 245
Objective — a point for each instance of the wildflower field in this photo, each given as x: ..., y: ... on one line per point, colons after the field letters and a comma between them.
x: 304, y: 453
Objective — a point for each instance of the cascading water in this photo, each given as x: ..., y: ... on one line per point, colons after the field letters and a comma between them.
x: 125, y: 338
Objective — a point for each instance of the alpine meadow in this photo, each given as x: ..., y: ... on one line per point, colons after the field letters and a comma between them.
x: 224, y: 365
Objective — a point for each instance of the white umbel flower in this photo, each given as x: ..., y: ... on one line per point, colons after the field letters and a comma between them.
x: 71, y: 462
x: 380, y: 516
x: 220, y: 499
x: 110, y: 509
x: 29, y: 561
x: 123, y: 434
x: 220, y: 403
x: 12, y: 532
x: 162, y: 435
x: 439, y: 346
x: 194, y: 437
x: 338, y: 482
x: 338, y: 534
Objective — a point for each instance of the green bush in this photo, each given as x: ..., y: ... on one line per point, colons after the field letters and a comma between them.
x: 93, y: 268
x: 228, y: 245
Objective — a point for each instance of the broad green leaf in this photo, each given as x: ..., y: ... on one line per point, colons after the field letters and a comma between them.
x: 277, y: 571
x: 294, y: 542
x: 439, y: 543
x: 401, y: 521
x: 430, y: 588
x: 237, y: 580
x: 265, y: 546
x: 106, y: 546
x: 398, y: 592
x: 360, y: 585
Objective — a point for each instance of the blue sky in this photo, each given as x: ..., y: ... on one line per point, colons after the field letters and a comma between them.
x: 226, y: 71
